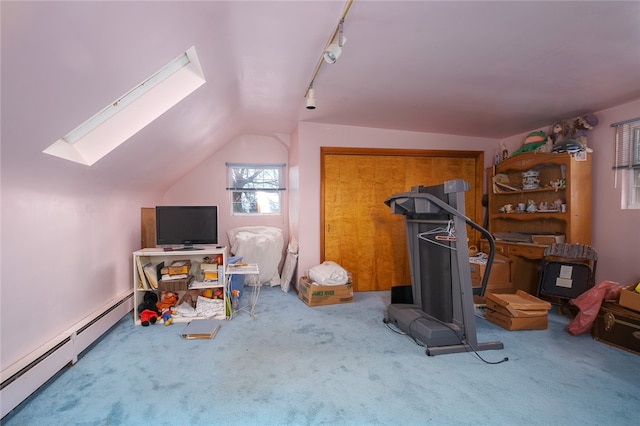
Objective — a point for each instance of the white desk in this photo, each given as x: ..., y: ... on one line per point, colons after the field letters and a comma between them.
x: 253, y: 271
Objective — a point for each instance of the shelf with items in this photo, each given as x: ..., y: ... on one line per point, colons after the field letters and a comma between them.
x: 189, y: 283
x: 557, y: 199
x: 538, y: 195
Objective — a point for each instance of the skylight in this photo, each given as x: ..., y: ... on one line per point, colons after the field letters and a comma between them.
x: 130, y: 113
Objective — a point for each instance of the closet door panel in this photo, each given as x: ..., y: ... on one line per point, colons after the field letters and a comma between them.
x: 358, y: 230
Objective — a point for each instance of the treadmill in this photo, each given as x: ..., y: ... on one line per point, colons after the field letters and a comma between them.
x: 441, y: 316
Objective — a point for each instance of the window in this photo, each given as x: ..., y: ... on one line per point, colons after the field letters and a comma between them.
x: 130, y: 113
x: 255, y: 188
x: 627, y: 159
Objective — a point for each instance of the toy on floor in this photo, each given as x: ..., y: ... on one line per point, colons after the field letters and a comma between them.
x: 147, y: 310
x: 167, y: 316
x: 148, y: 317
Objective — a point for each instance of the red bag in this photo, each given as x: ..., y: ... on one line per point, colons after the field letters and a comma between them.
x: 589, y: 304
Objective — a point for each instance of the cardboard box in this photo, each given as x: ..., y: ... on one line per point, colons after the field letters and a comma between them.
x: 520, y: 304
x: 516, y: 323
x: 519, y: 311
x: 629, y: 298
x: 516, y: 313
x: 500, y: 275
x: 493, y: 288
x: 317, y: 295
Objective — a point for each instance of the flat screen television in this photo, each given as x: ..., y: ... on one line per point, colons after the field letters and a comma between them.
x: 186, y: 225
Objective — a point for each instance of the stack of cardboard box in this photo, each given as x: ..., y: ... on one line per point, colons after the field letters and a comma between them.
x: 519, y: 311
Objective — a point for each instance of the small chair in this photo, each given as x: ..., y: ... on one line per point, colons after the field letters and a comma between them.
x: 567, y: 271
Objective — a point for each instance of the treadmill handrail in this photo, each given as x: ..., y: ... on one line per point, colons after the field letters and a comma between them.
x: 443, y: 205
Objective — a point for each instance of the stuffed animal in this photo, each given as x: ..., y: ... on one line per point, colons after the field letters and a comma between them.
x: 532, y: 142
x: 148, y: 317
x: 168, y: 299
x: 190, y: 297
x: 558, y: 133
x: 580, y: 126
x: 147, y: 310
x: 576, y: 129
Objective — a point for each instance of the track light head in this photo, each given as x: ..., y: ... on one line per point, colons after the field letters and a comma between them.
x: 311, y: 99
x: 334, y: 50
x: 332, y: 53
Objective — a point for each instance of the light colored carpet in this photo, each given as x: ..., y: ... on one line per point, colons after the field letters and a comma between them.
x: 337, y: 365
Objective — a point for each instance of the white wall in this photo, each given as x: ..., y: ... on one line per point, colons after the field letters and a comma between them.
x: 615, y: 232
x: 64, y: 254
x: 312, y: 136
x: 207, y: 183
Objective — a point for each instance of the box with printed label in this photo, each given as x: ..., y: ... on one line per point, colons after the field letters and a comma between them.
x: 315, y: 295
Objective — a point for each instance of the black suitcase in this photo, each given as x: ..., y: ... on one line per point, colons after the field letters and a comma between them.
x: 618, y: 326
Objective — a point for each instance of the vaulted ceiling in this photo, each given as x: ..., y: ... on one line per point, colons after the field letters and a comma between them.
x: 489, y: 69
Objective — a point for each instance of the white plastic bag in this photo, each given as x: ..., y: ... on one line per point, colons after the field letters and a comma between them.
x: 329, y: 273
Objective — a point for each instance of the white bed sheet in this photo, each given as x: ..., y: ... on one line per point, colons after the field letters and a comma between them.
x: 262, y: 245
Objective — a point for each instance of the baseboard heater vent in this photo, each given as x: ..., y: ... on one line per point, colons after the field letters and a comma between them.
x: 24, y: 377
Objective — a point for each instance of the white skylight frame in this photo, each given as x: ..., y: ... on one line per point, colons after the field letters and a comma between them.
x: 131, y: 112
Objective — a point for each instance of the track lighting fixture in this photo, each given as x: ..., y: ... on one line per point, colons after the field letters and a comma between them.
x: 334, y: 50
x: 330, y: 55
x: 311, y: 98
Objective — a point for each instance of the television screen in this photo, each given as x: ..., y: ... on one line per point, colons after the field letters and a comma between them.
x: 186, y: 225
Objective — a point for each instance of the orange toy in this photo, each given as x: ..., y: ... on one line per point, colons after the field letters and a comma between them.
x: 168, y: 299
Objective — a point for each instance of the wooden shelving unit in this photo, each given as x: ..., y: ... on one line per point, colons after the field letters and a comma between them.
x: 157, y: 256
x: 570, y: 175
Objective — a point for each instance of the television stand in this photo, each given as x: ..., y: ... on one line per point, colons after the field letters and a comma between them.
x: 146, y: 277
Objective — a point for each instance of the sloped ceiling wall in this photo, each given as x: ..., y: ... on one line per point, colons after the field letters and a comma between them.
x: 488, y: 69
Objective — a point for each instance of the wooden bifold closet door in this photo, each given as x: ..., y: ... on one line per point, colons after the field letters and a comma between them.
x: 358, y: 230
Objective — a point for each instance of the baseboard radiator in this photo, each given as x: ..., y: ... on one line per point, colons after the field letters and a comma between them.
x: 24, y: 377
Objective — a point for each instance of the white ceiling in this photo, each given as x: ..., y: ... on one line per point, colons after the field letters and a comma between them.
x: 489, y: 69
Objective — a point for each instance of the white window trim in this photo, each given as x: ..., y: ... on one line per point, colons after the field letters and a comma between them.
x: 258, y: 191
x: 627, y: 161
x: 630, y: 196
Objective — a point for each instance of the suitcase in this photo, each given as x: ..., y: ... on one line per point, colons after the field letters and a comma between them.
x: 618, y: 326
